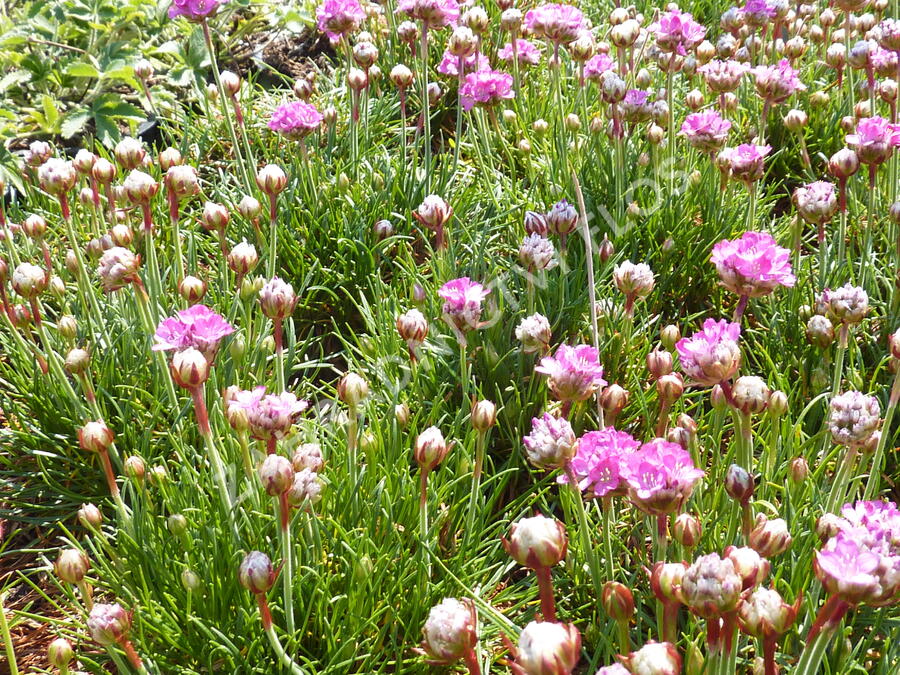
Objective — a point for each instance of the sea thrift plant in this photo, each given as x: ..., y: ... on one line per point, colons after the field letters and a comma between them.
x: 600, y: 463
x: 752, y: 266
x: 706, y: 131
x: 337, y: 18
x: 660, y: 477
x: 295, y: 120
x: 198, y: 327
x: 573, y: 373
x: 463, y: 299
x: 711, y: 356
x: 486, y: 88
x: 195, y: 10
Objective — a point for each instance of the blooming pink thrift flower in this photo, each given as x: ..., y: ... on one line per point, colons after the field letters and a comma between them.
x: 295, y: 120
x: 574, y: 373
x: 527, y: 53
x: 747, y: 161
x: 677, y: 32
x: 433, y: 13
x: 561, y: 24
x: 449, y: 64
x: 848, y: 569
x: 757, y: 12
x: 884, y: 62
x: 777, y: 83
x: 551, y: 443
x: 712, y: 355
x: 888, y: 34
x: 336, y: 18
x: 462, y: 302
x: 194, y: 10
x: 598, y: 64
x: 198, y: 327
x: 722, y: 76
x: 874, y: 140
x: 660, y: 477
x: 706, y: 131
x: 485, y: 88
x: 270, y: 416
x: 753, y: 265
x: 599, y: 462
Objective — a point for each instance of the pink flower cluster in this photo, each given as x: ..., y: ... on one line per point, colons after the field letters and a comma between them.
x: 194, y: 10
x: 449, y: 64
x: 598, y: 64
x: 723, y: 76
x: 753, y: 265
x: 526, y: 52
x: 600, y: 463
x: 861, y: 562
x: 558, y: 23
x: 336, y: 18
x: 198, y: 327
x: 712, y: 355
x: 660, y: 477
x: 706, y: 131
x: 746, y: 162
x: 677, y: 32
x: 432, y: 13
x: 574, y: 373
x: 874, y: 140
x: 485, y: 88
x: 462, y: 302
x: 777, y: 83
x: 295, y: 120
x: 270, y: 416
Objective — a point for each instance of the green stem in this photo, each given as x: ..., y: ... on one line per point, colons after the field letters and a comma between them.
x: 283, y: 656
x: 874, y: 483
x: 841, y: 478
x: 475, y: 495
x: 584, y: 530
x: 287, y: 571
x: 7, y: 641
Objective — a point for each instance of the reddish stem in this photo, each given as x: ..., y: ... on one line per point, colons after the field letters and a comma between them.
x: 148, y: 217
x: 200, y: 410
x: 48, y: 262
x: 741, y: 307
x: 264, y: 614
x: 670, y: 621
x: 423, y: 487
x: 829, y: 617
x: 173, y: 204
x: 110, y: 476
x: 545, y: 589
x: 471, y: 661
x: 270, y: 445
x: 769, y: 642
x: 713, y: 636
x: 64, y: 206
x: 132, y: 655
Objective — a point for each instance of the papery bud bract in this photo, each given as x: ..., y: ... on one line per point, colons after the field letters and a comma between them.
x: 352, y: 389
x: 95, y: 436
x: 177, y: 524
x: 484, y: 415
x: 654, y: 658
x: 90, y: 516
x: 243, y: 258
x: 72, y: 565
x: 687, y: 530
x: 29, y: 280
x: 769, y: 537
x: 276, y: 475
x: 308, y: 456
x: 108, y: 624
x: 277, y: 299
x: 189, y: 368
x: 617, y: 601
x: 60, y: 653
x: 430, y: 448
x: 256, y: 573
x: 192, y: 289
x: 449, y: 631
x: 548, y: 648
x: 135, y: 468
x: 750, y: 394
x: 739, y: 484
x: 750, y: 566
x: 537, y: 542
x: 271, y: 179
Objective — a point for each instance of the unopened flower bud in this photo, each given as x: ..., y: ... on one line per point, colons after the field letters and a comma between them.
x: 654, y: 658
x: 739, y: 484
x: 276, y: 475
x: 192, y: 289
x: 90, y: 516
x: 231, y: 83
x: 308, y: 456
x: 659, y: 363
x: 177, y: 524
x: 450, y: 631
x: 95, y: 436
x: 613, y: 399
x: 189, y: 368
x: 271, y: 179
x: 430, y: 449
x: 256, y: 573
x: 352, y: 389
x: 750, y: 394
x: 618, y: 601
x: 249, y: 207
x: 537, y: 542
x: 189, y: 580
x: 72, y: 565
x: 752, y: 568
x: 243, y: 258
x: 670, y: 387
x: 687, y: 530
x: 60, y: 654
x: 484, y: 415
x: 135, y: 468
x: 770, y: 537
x: 401, y: 414
x: 29, y: 280
x: 168, y: 158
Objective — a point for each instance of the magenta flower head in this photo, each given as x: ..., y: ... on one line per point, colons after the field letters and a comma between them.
x: 816, y: 202
x: 432, y: 13
x: 485, y: 88
x: 874, y: 140
x: 706, y: 131
x: 194, y: 10
x: 268, y: 415
x: 599, y: 462
x: 723, y: 76
x: 574, y: 373
x: 109, y: 624
x: 660, y: 477
x: 336, y: 18
x: 777, y: 83
x: 474, y: 62
x: 551, y: 443
x: 295, y: 120
x: 757, y: 12
x: 747, y: 162
x: 560, y: 24
x: 598, y: 64
x: 463, y: 300
x: 753, y: 265
x: 526, y: 52
x: 198, y: 327
x: 711, y: 356
x: 888, y: 34
x: 677, y: 32
x: 450, y: 631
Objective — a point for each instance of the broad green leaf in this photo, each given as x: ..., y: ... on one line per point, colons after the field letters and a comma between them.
x: 107, y: 131
x: 74, y: 122
x: 51, y: 113
x: 13, y: 78
x: 82, y: 69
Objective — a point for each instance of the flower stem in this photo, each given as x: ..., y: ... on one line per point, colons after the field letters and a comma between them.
x: 545, y: 588
x: 7, y: 641
x: 584, y: 530
x: 874, y: 483
x: 212, y: 453
x: 288, y: 559
x: 475, y: 495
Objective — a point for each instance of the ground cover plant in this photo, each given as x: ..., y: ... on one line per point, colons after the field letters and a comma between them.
x: 395, y: 338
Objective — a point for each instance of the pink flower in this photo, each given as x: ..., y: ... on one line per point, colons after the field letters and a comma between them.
x: 551, y: 443
x: 706, y: 131
x: 816, y: 202
x: 485, y: 88
x: 677, y: 32
x: 884, y: 61
x: 848, y: 569
x: 574, y: 373
x: 561, y: 24
x: 712, y: 355
x: 747, y: 162
x: 198, y: 327
x: 599, y: 462
x: 528, y: 54
x: 595, y: 66
x: 777, y: 83
x: 758, y: 12
x: 874, y: 140
x: 888, y: 34
x: 660, y: 477
x: 449, y: 65
x: 722, y: 76
x: 462, y: 302
x: 753, y: 265
x: 336, y: 18
x: 295, y: 120
x: 433, y: 13
x: 270, y: 416
x: 194, y: 10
